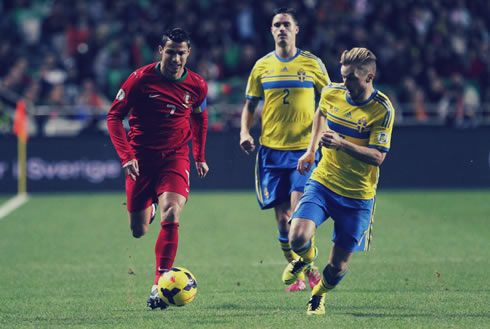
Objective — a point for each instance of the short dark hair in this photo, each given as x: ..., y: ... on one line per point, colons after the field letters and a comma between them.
x: 286, y: 10
x: 176, y: 35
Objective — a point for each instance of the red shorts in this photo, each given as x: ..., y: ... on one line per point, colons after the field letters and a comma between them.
x: 158, y: 172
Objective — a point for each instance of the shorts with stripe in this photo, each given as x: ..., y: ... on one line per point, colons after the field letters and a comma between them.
x: 276, y: 176
x: 353, y: 218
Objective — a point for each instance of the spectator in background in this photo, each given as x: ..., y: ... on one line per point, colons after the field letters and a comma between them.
x: 100, y: 40
x: 406, y: 97
x: 90, y: 102
x: 456, y: 100
x: 51, y: 74
x: 437, y: 96
x: 17, y: 79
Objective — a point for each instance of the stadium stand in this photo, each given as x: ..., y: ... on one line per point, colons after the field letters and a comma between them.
x: 68, y: 58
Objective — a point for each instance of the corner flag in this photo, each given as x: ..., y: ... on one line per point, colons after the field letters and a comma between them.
x: 20, y: 121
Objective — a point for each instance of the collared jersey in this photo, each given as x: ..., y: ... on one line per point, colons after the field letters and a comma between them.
x: 367, y: 124
x: 288, y: 87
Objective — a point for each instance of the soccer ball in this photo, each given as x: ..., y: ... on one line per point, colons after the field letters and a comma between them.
x: 177, y: 286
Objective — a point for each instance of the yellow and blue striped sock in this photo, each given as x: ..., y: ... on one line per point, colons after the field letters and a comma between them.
x: 329, y: 281
x: 288, y: 252
x: 308, y: 252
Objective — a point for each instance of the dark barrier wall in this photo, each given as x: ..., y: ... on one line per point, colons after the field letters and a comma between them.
x: 419, y: 157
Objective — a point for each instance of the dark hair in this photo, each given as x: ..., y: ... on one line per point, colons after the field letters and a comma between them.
x: 176, y: 35
x: 285, y: 10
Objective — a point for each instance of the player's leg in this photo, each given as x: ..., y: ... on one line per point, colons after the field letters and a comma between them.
x: 353, y: 224
x: 352, y: 233
x: 301, y: 236
x: 139, y: 203
x: 171, y: 205
x: 311, y: 271
x: 308, y: 215
x: 333, y: 273
x: 140, y: 194
x: 139, y: 222
x: 272, y: 187
x: 336, y: 267
x: 298, y: 184
x: 172, y: 188
x: 283, y: 215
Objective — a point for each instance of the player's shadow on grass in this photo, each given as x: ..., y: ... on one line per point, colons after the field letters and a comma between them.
x: 241, y: 307
x: 415, y: 315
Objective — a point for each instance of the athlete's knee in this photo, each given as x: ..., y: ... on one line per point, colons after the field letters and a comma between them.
x: 298, y: 239
x: 138, y: 231
x: 137, y: 224
x: 171, y: 213
x: 301, y: 232
x: 337, y: 269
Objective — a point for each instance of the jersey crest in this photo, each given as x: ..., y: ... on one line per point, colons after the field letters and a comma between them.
x: 368, y: 124
x: 288, y: 87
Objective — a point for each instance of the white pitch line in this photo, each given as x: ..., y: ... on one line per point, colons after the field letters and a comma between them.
x: 12, y: 204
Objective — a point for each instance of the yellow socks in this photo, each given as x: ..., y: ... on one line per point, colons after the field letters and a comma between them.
x: 308, y: 253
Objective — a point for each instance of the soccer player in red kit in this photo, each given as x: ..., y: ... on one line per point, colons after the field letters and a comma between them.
x: 160, y: 98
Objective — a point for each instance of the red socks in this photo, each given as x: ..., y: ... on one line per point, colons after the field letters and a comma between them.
x: 166, y: 248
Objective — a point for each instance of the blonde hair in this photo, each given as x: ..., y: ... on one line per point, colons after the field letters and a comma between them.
x: 362, y: 58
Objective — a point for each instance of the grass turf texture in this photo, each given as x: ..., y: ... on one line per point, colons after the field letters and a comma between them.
x: 69, y: 261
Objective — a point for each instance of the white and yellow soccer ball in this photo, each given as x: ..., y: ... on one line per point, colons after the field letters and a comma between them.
x: 177, y: 286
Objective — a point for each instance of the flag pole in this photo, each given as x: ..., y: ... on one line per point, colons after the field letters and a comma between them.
x: 21, y: 166
x: 20, y: 129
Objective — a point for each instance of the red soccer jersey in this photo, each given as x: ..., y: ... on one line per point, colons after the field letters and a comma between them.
x: 159, y: 113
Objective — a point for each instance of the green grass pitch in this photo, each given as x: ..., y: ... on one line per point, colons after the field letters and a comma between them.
x: 69, y: 261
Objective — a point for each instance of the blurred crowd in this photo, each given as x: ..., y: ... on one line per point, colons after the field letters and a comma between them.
x: 69, y: 58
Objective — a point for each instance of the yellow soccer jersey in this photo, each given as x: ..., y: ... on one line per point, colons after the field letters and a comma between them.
x: 288, y: 87
x: 367, y: 124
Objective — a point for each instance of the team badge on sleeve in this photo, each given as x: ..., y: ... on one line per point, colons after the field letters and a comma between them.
x: 383, y: 138
x: 120, y: 95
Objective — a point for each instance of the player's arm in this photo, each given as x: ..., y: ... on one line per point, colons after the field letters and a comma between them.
x: 306, y: 160
x: 118, y: 111
x: 199, y: 125
x: 247, y: 120
x: 366, y: 154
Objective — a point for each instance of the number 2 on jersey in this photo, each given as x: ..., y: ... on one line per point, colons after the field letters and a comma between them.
x: 286, y: 95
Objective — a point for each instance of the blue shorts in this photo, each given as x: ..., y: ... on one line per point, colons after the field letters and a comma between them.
x: 276, y: 176
x: 353, y: 218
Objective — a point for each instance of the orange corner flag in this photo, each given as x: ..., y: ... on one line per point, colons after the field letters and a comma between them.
x: 20, y: 121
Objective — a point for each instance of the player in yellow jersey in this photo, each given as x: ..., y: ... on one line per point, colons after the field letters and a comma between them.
x: 287, y: 80
x: 353, y: 124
